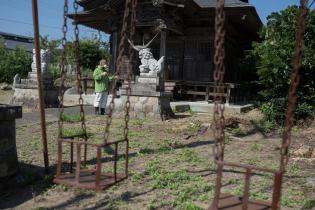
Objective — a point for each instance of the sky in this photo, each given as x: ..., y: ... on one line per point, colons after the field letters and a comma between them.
x: 16, y: 16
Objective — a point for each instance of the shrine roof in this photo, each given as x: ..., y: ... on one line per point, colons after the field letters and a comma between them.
x: 228, y: 3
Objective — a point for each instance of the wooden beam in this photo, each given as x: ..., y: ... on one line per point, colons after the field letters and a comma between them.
x: 114, y: 50
x: 162, y: 53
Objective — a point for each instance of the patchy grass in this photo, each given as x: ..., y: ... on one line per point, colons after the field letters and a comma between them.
x: 166, y: 170
x: 66, y: 132
x: 71, y: 117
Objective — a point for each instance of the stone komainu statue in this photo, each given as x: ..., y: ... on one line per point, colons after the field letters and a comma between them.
x: 149, y: 66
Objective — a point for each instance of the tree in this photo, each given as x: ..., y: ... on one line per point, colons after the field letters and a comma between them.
x: 273, y: 60
x: 91, y: 52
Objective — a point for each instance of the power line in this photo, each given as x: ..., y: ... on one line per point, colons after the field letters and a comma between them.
x: 44, y: 26
x: 25, y: 23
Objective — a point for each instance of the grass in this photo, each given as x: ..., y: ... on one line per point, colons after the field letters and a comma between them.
x: 194, y: 126
x: 138, y: 122
x: 255, y: 147
x: 71, y: 117
x: 73, y: 131
x: 266, y: 126
x: 237, y: 132
x: 166, y: 171
x: 189, y: 155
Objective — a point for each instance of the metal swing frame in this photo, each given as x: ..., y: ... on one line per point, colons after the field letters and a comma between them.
x: 94, y: 178
x: 230, y: 202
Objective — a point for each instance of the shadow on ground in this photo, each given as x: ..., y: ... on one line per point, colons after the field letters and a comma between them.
x: 30, y: 181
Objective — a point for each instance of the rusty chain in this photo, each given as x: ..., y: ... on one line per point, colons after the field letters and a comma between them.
x: 295, y: 78
x: 63, y: 65
x: 119, y: 64
x: 130, y: 67
x: 218, y: 75
x: 78, y: 68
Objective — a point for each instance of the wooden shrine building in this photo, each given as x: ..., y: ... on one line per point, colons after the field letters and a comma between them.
x: 188, y: 37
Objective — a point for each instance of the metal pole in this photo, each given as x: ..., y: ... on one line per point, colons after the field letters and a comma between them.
x: 40, y: 86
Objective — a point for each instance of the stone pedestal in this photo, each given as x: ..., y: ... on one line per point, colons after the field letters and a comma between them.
x: 8, y: 154
x: 146, y: 99
x: 27, y: 97
x: 26, y: 90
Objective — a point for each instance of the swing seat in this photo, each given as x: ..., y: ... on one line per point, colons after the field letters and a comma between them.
x: 87, y: 180
x: 92, y: 179
x: 229, y: 202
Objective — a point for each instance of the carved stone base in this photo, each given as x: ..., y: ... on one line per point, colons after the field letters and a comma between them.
x: 146, y: 106
x: 28, y: 97
x: 146, y: 100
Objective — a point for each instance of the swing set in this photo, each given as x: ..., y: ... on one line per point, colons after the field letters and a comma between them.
x: 222, y: 201
x: 78, y: 176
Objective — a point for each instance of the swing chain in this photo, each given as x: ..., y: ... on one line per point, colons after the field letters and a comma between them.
x: 130, y: 67
x: 218, y: 75
x: 78, y: 67
x: 295, y: 79
x: 63, y: 67
x: 122, y: 51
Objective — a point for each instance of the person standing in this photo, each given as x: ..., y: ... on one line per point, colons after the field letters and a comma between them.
x: 102, y: 82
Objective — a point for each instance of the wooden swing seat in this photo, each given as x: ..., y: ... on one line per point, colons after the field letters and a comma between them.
x: 87, y: 179
x: 92, y: 179
x: 230, y: 202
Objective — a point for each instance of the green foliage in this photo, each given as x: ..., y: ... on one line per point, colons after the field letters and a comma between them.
x: 273, y: 60
x: 91, y: 52
x: 52, y: 46
x: 13, y: 62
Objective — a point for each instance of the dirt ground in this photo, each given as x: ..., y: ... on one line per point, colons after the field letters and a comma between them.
x: 170, y: 165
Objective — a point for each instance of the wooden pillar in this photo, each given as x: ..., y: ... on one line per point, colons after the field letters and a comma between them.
x: 40, y: 85
x: 182, y: 60
x: 162, y: 53
x: 114, y: 50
